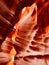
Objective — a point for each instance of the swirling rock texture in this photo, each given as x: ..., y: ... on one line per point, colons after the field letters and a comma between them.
x: 37, y: 51
x: 32, y: 40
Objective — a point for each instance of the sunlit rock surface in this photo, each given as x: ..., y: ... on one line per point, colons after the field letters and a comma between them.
x: 31, y: 41
x: 36, y: 50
